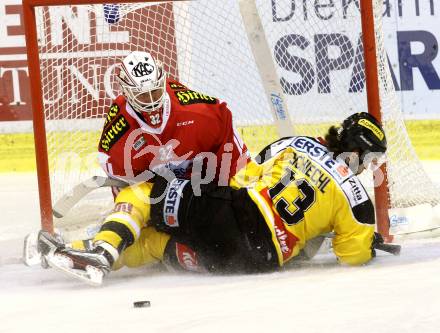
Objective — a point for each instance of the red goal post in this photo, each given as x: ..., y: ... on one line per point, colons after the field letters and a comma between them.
x: 373, y: 102
x: 270, y: 73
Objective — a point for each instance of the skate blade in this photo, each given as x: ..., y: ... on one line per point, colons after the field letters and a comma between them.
x: 91, y: 275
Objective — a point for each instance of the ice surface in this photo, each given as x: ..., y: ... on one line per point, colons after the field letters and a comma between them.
x: 400, y: 294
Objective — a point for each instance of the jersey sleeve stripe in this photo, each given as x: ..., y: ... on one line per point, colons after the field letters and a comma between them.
x: 126, y: 218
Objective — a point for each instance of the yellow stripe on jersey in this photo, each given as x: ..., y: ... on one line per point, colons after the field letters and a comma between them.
x: 134, y: 224
x: 130, y: 215
x: 110, y: 237
x: 139, y: 196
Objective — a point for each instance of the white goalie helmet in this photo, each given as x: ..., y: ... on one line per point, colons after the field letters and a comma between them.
x: 142, y: 80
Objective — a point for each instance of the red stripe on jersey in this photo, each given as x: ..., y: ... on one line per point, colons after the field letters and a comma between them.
x: 285, y: 238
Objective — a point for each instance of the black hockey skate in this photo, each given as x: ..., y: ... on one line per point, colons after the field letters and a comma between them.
x: 88, y: 266
x: 32, y: 250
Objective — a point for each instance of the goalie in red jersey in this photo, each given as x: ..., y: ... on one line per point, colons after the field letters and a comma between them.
x: 159, y: 124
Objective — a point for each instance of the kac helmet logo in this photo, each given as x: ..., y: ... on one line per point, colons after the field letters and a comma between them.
x: 142, y: 69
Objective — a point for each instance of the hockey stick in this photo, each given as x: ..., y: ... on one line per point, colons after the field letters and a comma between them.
x: 390, y: 248
x: 266, y: 66
x: 70, y: 199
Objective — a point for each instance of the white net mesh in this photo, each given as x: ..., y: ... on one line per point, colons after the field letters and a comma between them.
x: 317, y: 49
x: 319, y: 54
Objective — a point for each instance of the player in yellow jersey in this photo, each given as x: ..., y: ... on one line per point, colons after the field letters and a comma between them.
x: 300, y: 189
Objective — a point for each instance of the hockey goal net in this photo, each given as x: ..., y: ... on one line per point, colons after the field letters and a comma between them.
x: 315, y: 58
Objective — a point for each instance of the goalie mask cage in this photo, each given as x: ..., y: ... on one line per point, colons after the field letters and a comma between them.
x: 245, y: 52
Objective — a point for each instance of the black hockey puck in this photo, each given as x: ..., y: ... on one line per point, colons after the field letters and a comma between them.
x: 142, y: 304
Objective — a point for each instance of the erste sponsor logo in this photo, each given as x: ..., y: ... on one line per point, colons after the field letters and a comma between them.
x: 323, y: 157
x: 342, y: 170
x: 172, y: 202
